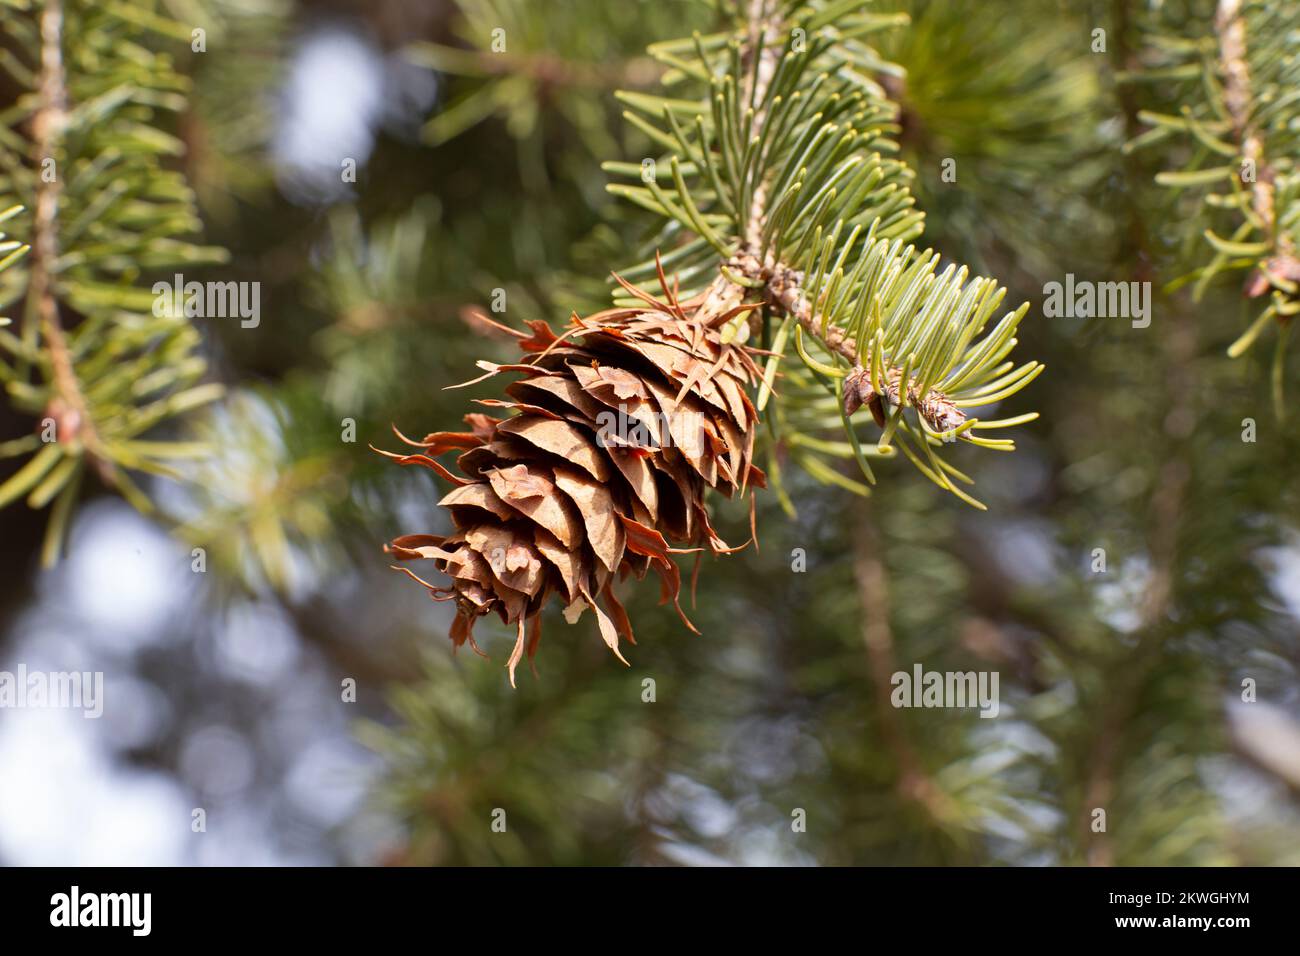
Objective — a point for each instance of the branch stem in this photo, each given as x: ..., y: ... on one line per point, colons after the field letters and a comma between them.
x: 1230, y: 25
x: 68, y: 405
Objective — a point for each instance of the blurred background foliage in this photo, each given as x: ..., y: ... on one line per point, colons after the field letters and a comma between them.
x: 477, y: 178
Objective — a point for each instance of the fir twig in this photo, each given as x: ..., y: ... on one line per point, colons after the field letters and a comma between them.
x: 1230, y: 26
x: 784, y: 194
x: 780, y: 285
x: 68, y: 407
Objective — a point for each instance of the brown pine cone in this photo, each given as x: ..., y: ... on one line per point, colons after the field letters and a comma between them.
x: 619, y: 426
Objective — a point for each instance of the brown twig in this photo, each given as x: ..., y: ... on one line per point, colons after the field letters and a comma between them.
x: 1230, y: 26
x: 914, y: 784
x: 724, y: 295
x: 68, y: 405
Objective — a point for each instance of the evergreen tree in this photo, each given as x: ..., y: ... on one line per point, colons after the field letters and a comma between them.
x: 784, y: 276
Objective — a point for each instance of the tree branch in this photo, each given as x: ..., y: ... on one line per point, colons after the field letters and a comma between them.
x: 47, y: 125
x: 1231, y: 29
x: 1230, y: 26
x: 782, y: 286
x: 68, y: 405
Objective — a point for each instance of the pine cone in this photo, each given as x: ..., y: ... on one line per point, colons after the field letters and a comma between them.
x: 620, y: 426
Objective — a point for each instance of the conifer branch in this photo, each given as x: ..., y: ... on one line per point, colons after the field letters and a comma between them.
x: 1240, y: 73
x: 725, y: 294
x: 1238, y: 99
x: 67, y: 407
x: 83, y: 155
x: 782, y: 199
x: 784, y: 287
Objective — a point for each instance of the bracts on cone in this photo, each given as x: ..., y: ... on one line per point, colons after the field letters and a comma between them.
x: 596, y: 470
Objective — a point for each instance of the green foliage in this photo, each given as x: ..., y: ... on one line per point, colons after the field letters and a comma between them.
x: 1113, y: 687
x: 782, y: 174
x: 86, y: 151
x: 523, y: 68
x: 1230, y: 133
x: 231, y: 120
x: 11, y: 250
x: 1113, y: 682
x: 983, y: 111
x: 296, y: 478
